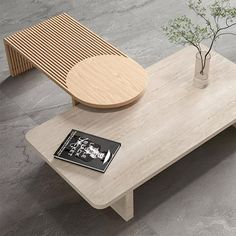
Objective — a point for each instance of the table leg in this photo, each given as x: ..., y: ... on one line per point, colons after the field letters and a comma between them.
x: 74, y: 101
x: 16, y: 62
x: 125, y: 206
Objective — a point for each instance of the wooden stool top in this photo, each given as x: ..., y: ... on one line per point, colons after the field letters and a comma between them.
x: 88, y: 68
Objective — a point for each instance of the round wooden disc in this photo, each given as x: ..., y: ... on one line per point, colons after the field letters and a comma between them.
x: 107, y: 81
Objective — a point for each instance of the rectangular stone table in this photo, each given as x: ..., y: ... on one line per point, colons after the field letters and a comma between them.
x: 169, y: 121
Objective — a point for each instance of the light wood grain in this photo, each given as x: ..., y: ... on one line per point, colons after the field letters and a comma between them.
x: 107, y: 81
x: 125, y: 206
x: 63, y: 49
x: 16, y: 62
x: 9, y: 59
x: 172, y: 119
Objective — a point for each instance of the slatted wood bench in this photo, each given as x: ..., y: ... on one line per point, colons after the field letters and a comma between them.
x: 87, y: 67
x: 171, y: 120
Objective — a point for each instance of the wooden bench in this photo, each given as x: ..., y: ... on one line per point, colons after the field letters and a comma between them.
x: 172, y: 119
x: 88, y: 68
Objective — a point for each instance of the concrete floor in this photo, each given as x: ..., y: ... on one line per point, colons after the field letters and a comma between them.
x: 196, y: 196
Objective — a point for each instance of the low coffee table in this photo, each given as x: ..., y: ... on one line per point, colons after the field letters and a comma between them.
x: 172, y: 119
x: 88, y: 68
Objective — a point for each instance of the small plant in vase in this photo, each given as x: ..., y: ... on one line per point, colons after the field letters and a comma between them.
x: 218, y: 18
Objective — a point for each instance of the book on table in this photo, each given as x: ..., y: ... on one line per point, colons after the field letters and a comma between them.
x: 87, y: 150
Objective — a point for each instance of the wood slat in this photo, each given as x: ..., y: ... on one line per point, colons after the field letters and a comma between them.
x: 37, y: 46
x: 82, y: 31
x: 44, y: 68
x: 39, y: 49
x: 56, y: 46
x: 81, y: 40
x: 77, y: 36
x: 51, y: 50
x: 95, y: 35
x: 40, y: 58
x: 15, y: 68
x: 71, y: 47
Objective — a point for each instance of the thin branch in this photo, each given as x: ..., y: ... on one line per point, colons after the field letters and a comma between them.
x: 200, y: 53
x: 195, y: 45
x: 207, y: 21
x: 190, y: 42
x: 198, y: 47
x: 226, y: 21
x: 223, y: 28
x: 226, y: 34
x: 216, y: 23
x: 210, y: 37
x: 213, y: 40
x: 204, y: 64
